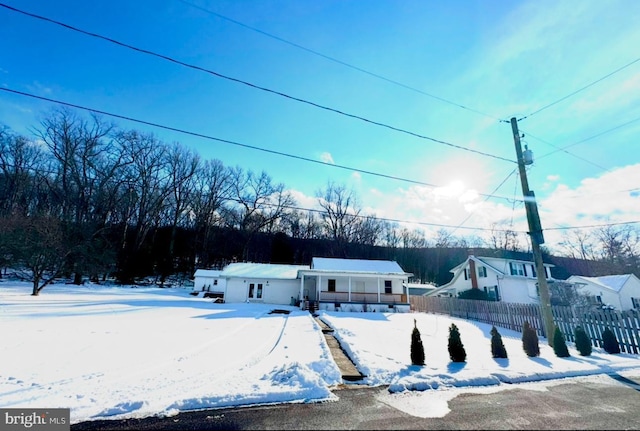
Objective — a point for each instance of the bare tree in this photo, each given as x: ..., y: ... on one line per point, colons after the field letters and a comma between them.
x: 445, y: 239
x: 619, y: 244
x: 84, y: 174
x: 182, y: 166
x: 367, y: 230
x: 212, y: 190
x: 301, y: 224
x: 502, y: 238
x: 341, y: 212
x: 259, y: 204
x: 413, y: 238
x: 20, y: 160
x: 143, y: 196
x: 579, y: 244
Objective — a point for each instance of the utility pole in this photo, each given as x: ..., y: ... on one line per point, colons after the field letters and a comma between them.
x: 535, y: 232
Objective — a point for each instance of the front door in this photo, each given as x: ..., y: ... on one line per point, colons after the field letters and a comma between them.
x: 255, y: 290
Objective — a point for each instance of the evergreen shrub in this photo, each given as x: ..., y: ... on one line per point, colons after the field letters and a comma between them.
x: 559, y: 344
x: 530, y: 342
x: 583, y: 342
x: 456, y: 348
x: 610, y: 343
x: 417, y: 349
x: 497, y: 346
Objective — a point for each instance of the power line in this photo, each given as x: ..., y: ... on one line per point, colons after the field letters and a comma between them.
x: 565, y: 151
x: 592, y: 137
x: 335, y: 60
x: 595, y: 225
x: 581, y: 89
x: 495, y: 190
x: 226, y: 141
x: 219, y: 75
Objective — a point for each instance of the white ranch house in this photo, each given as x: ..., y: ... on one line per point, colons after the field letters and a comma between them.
x: 507, y: 280
x: 326, y: 284
x: 620, y: 291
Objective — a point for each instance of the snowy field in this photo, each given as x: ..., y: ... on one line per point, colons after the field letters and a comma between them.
x: 122, y: 352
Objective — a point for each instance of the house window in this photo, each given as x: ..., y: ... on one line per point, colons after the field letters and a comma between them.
x: 331, y: 285
x: 466, y: 274
x: 482, y: 271
x: 259, y: 291
x: 215, y: 282
x: 492, y: 293
x: 387, y: 286
x: 635, y: 302
x: 599, y: 299
x: 251, y: 287
x: 516, y: 269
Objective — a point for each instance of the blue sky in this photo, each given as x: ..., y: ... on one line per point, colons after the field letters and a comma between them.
x: 413, y: 65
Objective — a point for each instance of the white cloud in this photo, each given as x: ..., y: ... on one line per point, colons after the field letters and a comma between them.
x: 40, y: 88
x: 327, y: 158
x: 608, y: 198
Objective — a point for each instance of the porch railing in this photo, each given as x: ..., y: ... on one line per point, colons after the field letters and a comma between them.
x: 361, y: 297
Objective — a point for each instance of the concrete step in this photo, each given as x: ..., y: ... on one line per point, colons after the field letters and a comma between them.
x: 325, y: 328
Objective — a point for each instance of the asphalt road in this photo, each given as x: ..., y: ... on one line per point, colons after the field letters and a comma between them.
x: 581, y: 404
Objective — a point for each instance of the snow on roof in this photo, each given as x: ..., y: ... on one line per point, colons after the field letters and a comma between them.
x: 207, y: 273
x: 262, y: 270
x: 613, y: 282
x: 356, y: 265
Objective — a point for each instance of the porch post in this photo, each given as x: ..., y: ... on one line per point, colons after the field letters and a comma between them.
x: 349, y: 288
x: 319, y: 285
x: 301, y: 288
x: 378, y: 279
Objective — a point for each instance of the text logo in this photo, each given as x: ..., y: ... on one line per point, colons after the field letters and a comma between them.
x: 35, y: 419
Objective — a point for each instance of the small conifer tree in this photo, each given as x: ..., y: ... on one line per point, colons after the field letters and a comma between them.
x: 456, y: 348
x: 530, y: 342
x: 610, y: 343
x: 417, y: 349
x: 583, y: 342
x: 497, y: 346
x: 559, y: 344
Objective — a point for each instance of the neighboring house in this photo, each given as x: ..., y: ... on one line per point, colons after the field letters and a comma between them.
x: 507, y: 280
x: 329, y: 284
x: 620, y: 291
x: 355, y: 285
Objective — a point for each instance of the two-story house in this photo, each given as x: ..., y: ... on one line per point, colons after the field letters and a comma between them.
x: 507, y: 280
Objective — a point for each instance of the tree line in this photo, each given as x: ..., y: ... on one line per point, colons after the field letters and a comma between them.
x: 85, y: 198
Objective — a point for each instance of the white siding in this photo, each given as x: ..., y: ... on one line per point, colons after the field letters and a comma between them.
x: 209, y: 284
x: 608, y: 296
x: 275, y: 292
x: 631, y: 289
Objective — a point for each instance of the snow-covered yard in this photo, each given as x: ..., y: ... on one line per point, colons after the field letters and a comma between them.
x: 121, y: 352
